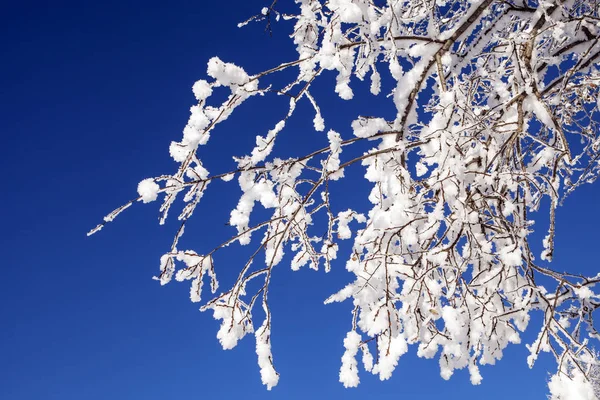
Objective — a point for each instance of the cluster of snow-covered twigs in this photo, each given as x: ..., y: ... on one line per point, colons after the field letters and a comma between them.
x: 496, y: 101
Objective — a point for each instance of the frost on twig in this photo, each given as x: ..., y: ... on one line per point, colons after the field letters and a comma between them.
x: 495, y: 110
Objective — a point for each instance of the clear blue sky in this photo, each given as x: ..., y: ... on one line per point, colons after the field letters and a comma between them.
x: 91, y: 95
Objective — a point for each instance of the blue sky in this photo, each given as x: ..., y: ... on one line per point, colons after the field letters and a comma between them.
x: 91, y: 95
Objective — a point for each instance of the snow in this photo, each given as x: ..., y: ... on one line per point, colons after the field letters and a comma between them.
x: 367, y: 127
x: 335, y: 146
x: 148, y: 190
x: 226, y: 74
x: 584, y: 292
x: 349, y: 369
x: 202, y: 90
x: 264, y: 145
x: 563, y: 387
x: 319, y: 123
x: 268, y: 375
x: 228, y: 177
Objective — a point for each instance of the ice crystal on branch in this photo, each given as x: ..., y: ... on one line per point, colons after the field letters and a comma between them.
x: 496, y: 106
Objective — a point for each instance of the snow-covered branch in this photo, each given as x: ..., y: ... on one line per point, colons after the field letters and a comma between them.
x: 496, y: 108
